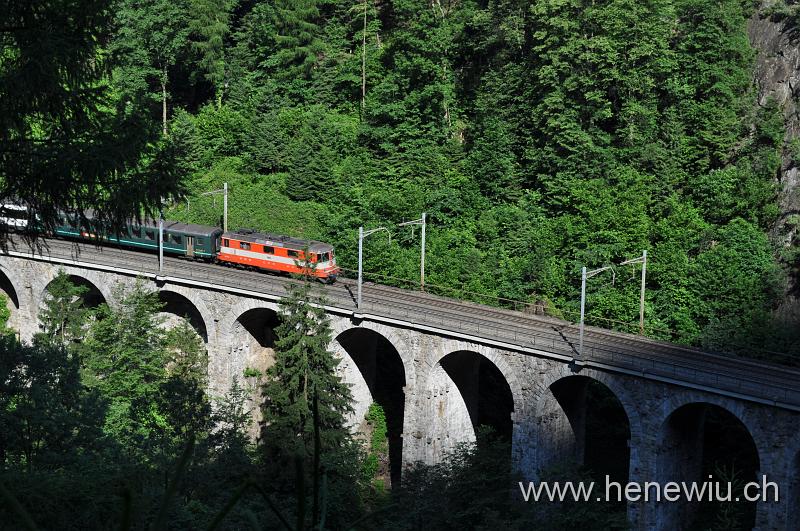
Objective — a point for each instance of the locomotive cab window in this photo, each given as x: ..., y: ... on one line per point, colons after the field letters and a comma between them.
x: 269, y: 250
x: 244, y: 245
x: 226, y: 242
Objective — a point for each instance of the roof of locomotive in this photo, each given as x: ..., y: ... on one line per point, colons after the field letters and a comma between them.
x: 278, y: 240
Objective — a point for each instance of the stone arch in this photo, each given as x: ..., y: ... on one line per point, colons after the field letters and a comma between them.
x: 613, y: 383
x: 400, y: 344
x: 96, y: 295
x: 241, y: 306
x: 499, y: 360
x: 260, y: 324
x: 244, y: 341
x: 249, y: 334
x: 98, y: 291
x: 676, y: 400
x: 350, y: 374
x: 180, y: 305
x: 692, y: 429
x: 11, y: 287
x: 468, y: 386
x: 585, y: 417
x: 204, y: 318
x: 373, y: 367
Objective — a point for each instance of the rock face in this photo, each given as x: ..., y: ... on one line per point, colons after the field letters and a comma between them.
x: 777, y: 77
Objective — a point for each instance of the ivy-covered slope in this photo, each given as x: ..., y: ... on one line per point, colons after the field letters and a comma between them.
x: 539, y: 137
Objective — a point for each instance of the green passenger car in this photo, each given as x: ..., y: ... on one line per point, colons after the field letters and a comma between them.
x: 184, y: 239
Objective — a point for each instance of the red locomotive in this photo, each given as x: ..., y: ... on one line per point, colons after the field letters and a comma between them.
x: 278, y: 253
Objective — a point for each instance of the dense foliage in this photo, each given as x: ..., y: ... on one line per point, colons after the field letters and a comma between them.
x: 99, y: 408
x: 305, y: 404
x: 68, y: 140
x: 538, y: 138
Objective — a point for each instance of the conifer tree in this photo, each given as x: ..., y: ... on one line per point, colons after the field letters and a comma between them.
x: 304, y: 367
x: 211, y: 23
x: 297, y: 37
x: 64, y: 314
x: 126, y: 362
x: 151, y: 36
x: 152, y: 379
x: 45, y: 412
x: 311, y: 161
x: 232, y: 418
x: 182, y: 398
x: 67, y: 144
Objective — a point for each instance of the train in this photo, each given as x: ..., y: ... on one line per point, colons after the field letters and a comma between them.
x: 247, y: 248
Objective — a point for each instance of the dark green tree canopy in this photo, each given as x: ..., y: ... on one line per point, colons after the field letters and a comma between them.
x: 304, y: 368
x: 66, y: 144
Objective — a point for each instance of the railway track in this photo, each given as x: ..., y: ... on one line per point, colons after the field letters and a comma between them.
x: 530, y: 331
x: 593, y: 337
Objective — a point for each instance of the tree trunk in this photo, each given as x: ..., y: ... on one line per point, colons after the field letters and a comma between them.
x: 164, y: 102
x: 364, y: 60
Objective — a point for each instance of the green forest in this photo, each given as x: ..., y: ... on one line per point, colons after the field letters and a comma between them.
x: 538, y: 137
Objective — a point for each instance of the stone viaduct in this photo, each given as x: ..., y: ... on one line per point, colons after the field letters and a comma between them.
x: 437, y: 386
